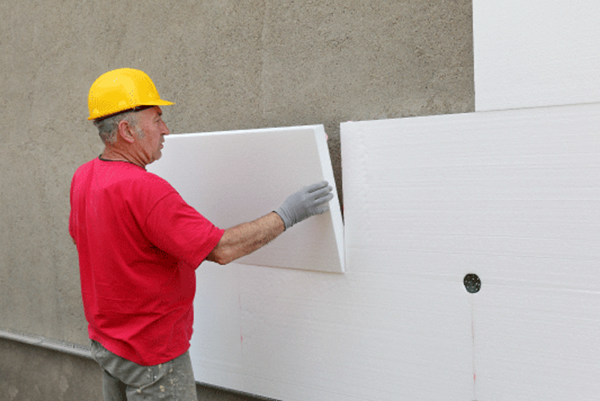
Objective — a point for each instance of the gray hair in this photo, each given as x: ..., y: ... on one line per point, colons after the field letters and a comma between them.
x: 108, y: 127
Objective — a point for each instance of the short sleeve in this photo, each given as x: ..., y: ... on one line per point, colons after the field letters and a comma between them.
x: 179, y: 230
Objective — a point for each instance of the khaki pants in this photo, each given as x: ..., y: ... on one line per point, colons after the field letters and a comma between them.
x: 124, y: 380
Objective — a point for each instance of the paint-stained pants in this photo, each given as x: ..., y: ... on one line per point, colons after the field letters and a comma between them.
x: 124, y: 380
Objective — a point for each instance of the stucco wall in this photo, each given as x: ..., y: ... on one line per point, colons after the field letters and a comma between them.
x: 227, y: 65
x: 33, y: 373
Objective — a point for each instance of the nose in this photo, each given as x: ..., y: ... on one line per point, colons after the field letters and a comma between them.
x: 165, y: 129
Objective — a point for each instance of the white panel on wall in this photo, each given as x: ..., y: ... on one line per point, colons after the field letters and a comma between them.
x: 238, y: 176
x: 511, y: 196
x: 300, y: 335
x: 531, y: 53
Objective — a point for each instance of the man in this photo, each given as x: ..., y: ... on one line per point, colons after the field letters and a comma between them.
x: 139, y: 244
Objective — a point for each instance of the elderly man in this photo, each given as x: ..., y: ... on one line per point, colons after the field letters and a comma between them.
x: 139, y: 244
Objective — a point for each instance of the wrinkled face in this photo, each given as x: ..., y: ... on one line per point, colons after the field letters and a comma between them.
x: 150, y: 129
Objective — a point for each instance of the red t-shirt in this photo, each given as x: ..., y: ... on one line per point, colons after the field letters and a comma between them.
x: 139, y: 244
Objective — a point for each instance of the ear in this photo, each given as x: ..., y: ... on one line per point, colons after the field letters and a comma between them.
x: 126, y: 131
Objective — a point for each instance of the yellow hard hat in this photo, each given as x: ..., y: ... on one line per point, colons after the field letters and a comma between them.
x: 121, y: 90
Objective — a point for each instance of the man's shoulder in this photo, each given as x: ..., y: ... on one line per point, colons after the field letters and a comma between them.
x: 149, y: 184
x: 117, y: 174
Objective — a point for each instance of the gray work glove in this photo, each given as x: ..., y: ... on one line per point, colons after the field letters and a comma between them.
x: 310, y: 200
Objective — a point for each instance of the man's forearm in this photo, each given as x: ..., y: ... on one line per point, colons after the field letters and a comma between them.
x: 246, y: 238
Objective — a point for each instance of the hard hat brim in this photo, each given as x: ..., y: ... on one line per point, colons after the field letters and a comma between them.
x: 159, y: 102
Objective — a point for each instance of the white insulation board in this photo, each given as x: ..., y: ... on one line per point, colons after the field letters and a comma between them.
x: 531, y: 53
x: 511, y: 196
x: 238, y: 176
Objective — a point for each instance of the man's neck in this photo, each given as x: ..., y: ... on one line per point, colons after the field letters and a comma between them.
x: 113, y: 154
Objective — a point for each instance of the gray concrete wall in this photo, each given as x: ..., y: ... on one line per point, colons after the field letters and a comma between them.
x: 228, y: 65
x: 32, y: 373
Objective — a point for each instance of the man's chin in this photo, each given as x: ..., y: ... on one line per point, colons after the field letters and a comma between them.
x: 156, y: 156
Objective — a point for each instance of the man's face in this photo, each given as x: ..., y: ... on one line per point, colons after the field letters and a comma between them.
x: 150, y: 129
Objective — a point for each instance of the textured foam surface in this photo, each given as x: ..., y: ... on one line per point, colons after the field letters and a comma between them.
x: 238, y: 176
x: 510, y: 196
x: 535, y: 53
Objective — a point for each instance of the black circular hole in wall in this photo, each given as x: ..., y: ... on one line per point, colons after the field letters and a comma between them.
x: 472, y: 283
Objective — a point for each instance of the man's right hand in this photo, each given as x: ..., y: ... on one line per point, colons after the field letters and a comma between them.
x: 309, y: 201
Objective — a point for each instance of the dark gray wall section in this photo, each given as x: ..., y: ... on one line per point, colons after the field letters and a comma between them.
x: 30, y: 373
x: 228, y: 65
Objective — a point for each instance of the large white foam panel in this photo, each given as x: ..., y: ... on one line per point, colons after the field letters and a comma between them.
x: 531, y: 53
x: 299, y: 335
x: 512, y: 196
x: 238, y: 176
